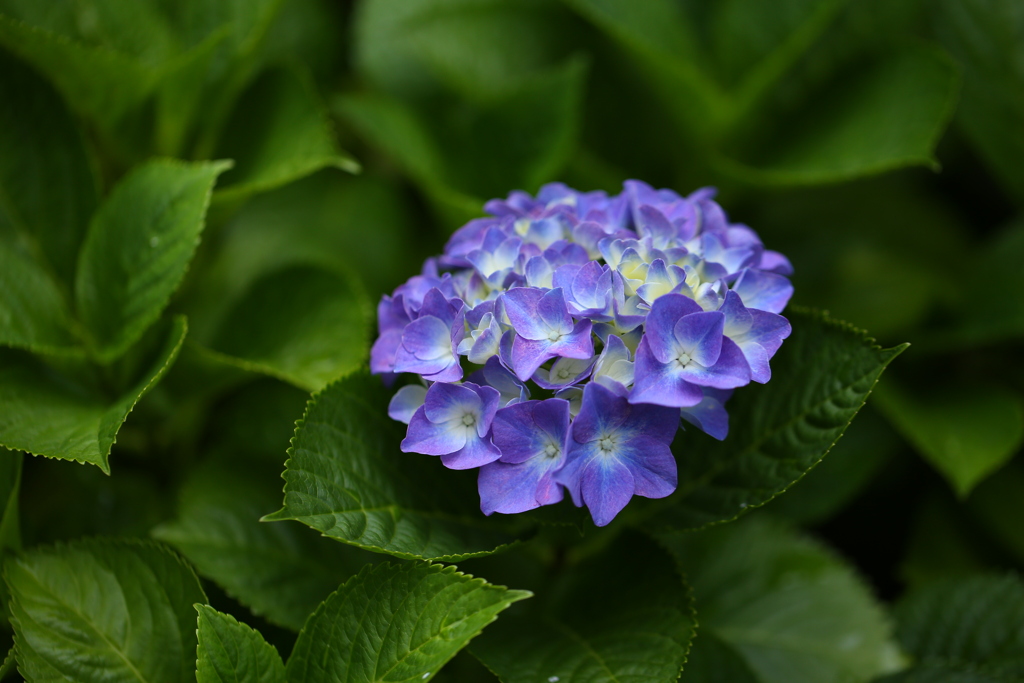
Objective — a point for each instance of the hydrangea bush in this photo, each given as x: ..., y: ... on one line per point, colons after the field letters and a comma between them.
x: 559, y: 341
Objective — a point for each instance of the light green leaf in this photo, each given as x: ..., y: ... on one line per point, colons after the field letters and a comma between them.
x: 280, y: 571
x: 304, y: 324
x: 46, y: 413
x: 138, y: 248
x: 885, y: 117
x: 624, y: 615
x: 47, y: 186
x: 794, y: 612
x: 346, y: 478
x: 778, y: 431
x: 966, y: 431
x: 974, y: 621
x: 987, y: 38
x: 231, y: 652
x: 33, y: 312
x: 422, y: 614
x: 98, y: 74
x: 104, y: 610
x: 279, y: 132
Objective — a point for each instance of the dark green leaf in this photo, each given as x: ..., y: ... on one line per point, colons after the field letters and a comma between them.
x: 881, y: 118
x: 304, y: 324
x: 820, y: 379
x: 945, y: 673
x: 347, y: 479
x: 138, y: 248
x: 622, y: 616
x: 278, y: 133
x: 395, y: 623
x: 280, y: 571
x: 230, y: 652
x: 966, y: 431
x: 987, y: 38
x: 794, y: 612
x: 979, y: 621
x: 104, y: 610
x: 998, y: 504
x: 10, y: 489
x: 46, y: 413
x: 33, y: 312
x: 46, y: 178
x: 711, y: 660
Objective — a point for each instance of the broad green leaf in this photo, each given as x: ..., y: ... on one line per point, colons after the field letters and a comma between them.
x: 884, y: 117
x: 793, y: 611
x: 624, y: 615
x: 10, y: 492
x: 346, y: 478
x: 97, y: 75
x: 945, y: 673
x: 47, y: 413
x: 304, y: 324
x: 279, y: 132
x: 280, y: 571
x: 711, y: 660
x: 402, y: 135
x: 975, y: 621
x: 987, y: 38
x: 104, y: 610
x: 998, y: 504
x: 231, y: 652
x: 660, y: 37
x: 138, y: 248
x: 46, y: 178
x: 966, y: 431
x: 395, y: 623
x: 778, y: 431
x: 33, y: 312
x: 10, y: 664
x: 866, y: 447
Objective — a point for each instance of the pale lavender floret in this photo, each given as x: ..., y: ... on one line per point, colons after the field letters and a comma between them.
x: 406, y: 402
x: 710, y: 415
x: 763, y: 291
x: 391, y: 321
x: 454, y: 422
x: 652, y: 224
x: 774, y: 262
x: 532, y: 439
x: 564, y: 372
x: 758, y: 334
x: 683, y: 349
x: 614, y: 367
x: 484, y: 334
x: 466, y: 239
x: 544, y: 330
x: 618, y: 450
x: 429, y: 343
x: 591, y: 291
x: 731, y: 257
x: 496, y: 375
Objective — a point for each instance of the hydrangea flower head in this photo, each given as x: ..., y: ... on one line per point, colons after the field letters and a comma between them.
x: 561, y: 342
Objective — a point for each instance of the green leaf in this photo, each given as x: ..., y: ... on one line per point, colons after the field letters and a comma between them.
x: 280, y: 571
x: 138, y: 248
x: 279, y: 132
x: 304, y: 324
x: 966, y: 431
x: 660, y: 37
x: 46, y: 178
x: 711, y: 660
x: 998, y: 504
x: 987, y: 38
x: 944, y: 673
x: 866, y: 447
x: 231, y: 652
x: 135, y: 623
x: 421, y: 615
x: 103, y: 56
x: 624, y: 615
x: 975, y: 621
x: 346, y: 478
x: 882, y: 118
x: 10, y: 490
x: 793, y: 611
x: 778, y: 431
x: 33, y: 312
x: 46, y: 413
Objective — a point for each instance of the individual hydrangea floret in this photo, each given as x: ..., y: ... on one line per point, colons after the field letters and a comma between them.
x: 562, y: 341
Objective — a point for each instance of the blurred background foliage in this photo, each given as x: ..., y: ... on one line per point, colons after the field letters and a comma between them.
x: 878, y: 143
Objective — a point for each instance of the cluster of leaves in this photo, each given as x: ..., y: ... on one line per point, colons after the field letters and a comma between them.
x: 186, y: 252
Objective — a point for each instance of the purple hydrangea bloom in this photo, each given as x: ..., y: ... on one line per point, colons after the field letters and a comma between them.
x: 621, y: 316
x: 618, y: 450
